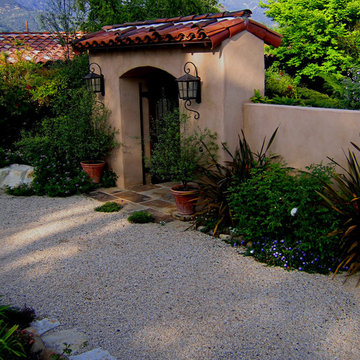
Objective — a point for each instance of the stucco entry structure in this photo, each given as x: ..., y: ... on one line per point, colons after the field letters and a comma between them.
x: 140, y: 62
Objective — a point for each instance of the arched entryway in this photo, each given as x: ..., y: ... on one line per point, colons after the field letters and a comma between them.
x: 156, y: 95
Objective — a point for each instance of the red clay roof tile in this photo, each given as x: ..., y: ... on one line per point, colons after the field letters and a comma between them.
x: 208, y: 29
x: 37, y: 47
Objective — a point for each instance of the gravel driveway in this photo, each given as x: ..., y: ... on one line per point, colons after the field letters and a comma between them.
x: 157, y: 292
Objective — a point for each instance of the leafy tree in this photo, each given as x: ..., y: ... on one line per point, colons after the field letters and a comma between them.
x: 320, y: 36
x: 108, y: 12
x: 21, y: 104
x: 62, y: 17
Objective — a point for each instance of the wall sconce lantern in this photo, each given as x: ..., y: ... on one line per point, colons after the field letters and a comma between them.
x: 95, y: 82
x: 189, y: 87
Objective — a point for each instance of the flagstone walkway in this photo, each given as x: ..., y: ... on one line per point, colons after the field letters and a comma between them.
x: 155, y: 199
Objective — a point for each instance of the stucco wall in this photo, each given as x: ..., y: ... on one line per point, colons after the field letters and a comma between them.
x: 228, y: 75
x: 306, y: 135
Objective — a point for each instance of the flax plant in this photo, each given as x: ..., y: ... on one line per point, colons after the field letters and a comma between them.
x: 344, y: 197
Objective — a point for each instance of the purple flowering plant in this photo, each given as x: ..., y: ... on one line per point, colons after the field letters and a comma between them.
x: 263, y: 212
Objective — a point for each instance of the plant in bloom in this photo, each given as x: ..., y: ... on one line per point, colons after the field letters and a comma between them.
x: 283, y: 217
x: 292, y: 256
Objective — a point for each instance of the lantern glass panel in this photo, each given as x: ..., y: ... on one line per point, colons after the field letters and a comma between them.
x: 181, y: 90
x: 89, y: 84
x: 97, y: 84
x: 192, y: 90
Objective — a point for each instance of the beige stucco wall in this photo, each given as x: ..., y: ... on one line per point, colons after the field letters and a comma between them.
x: 228, y: 75
x: 306, y: 135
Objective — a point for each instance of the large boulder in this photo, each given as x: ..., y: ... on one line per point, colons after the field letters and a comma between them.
x: 16, y: 175
x: 4, y: 172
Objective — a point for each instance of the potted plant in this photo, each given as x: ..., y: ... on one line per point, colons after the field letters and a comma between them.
x: 177, y: 156
x: 100, y: 140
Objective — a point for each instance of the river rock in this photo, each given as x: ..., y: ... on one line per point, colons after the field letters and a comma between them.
x: 56, y: 340
x: 16, y: 175
x: 96, y: 354
x: 44, y: 325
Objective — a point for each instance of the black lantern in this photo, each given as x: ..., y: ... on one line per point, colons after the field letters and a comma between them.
x: 95, y: 82
x: 189, y: 87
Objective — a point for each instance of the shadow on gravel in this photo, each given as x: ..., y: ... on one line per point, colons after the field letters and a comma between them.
x: 152, y: 292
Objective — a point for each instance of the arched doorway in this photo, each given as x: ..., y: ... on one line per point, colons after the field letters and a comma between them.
x: 157, y: 94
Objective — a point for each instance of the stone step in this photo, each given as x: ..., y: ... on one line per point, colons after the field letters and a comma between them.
x: 49, y: 340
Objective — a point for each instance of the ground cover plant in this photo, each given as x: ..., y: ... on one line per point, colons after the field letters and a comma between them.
x: 141, y: 217
x: 283, y: 220
x: 109, y: 207
x: 22, y: 190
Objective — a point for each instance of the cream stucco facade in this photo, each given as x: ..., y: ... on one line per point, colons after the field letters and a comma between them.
x: 229, y: 74
x: 306, y: 135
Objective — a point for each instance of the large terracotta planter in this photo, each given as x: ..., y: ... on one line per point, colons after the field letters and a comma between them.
x: 94, y: 169
x: 185, y: 200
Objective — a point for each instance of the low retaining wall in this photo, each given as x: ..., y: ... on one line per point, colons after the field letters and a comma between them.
x: 306, y: 135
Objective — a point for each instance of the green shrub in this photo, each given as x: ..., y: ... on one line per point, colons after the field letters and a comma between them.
x: 108, y: 179
x: 217, y: 177
x: 344, y: 199
x: 282, y: 89
x: 30, y: 92
x: 54, y: 175
x: 61, y: 143
x: 281, y: 214
x: 109, y: 207
x: 22, y: 190
x: 177, y: 154
x: 141, y: 217
x: 316, y: 99
x: 3, y: 158
x: 17, y: 316
x: 8, y: 157
x: 70, y: 124
x: 285, y: 100
x: 18, y: 109
x: 277, y: 82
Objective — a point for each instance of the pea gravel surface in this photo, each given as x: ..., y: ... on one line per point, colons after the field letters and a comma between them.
x: 159, y: 292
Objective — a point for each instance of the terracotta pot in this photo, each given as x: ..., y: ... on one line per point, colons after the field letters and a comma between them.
x: 185, y: 200
x: 94, y: 169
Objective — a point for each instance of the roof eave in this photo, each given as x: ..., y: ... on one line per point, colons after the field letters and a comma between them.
x: 182, y: 44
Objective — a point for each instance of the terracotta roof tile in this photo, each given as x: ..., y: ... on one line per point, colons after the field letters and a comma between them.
x: 37, y: 47
x: 207, y: 29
